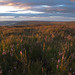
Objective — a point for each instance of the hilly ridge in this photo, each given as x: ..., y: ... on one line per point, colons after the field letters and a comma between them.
x: 16, y: 23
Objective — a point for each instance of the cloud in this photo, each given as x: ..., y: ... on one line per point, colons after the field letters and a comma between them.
x: 73, y: 0
x: 15, y: 10
x: 55, y: 9
x: 42, y: 5
x: 6, y: 17
x: 28, y: 18
x: 16, y: 5
x: 37, y: 8
x: 4, y: 0
x: 5, y: 9
x: 26, y: 12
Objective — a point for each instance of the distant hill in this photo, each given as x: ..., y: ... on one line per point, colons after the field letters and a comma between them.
x: 43, y: 23
x: 16, y: 23
x: 32, y: 23
x: 5, y: 23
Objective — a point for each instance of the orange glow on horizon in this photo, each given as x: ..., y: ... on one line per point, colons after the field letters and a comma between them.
x: 10, y: 4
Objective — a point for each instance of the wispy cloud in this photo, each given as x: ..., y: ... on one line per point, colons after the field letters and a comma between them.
x: 42, y: 8
x: 27, y: 18
x: 73, y: 0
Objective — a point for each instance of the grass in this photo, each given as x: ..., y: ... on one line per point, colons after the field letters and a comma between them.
x: 37, y: 50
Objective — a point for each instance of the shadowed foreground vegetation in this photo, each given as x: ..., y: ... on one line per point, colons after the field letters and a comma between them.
x: 37, y: 50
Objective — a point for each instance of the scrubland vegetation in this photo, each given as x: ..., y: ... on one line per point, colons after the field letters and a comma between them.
x: 37, y: 50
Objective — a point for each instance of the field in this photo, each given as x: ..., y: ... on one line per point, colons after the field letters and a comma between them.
x: 38, y: 49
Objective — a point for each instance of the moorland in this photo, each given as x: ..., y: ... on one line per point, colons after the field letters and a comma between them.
x: 38, y: 49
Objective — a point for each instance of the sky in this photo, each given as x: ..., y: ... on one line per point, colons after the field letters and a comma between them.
x: 37, y: 10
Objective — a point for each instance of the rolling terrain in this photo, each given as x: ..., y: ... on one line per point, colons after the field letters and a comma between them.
x: 37, y: 48
x: 13, y: 23
x: 6, y: 23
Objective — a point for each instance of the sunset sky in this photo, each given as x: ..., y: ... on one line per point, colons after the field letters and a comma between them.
x: 38, y: 10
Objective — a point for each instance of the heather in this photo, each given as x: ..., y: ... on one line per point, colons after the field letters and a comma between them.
x: 37, y: 49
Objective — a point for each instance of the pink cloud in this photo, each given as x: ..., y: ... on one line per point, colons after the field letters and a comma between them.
x: 72, y: 0
x: 17, y: 5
